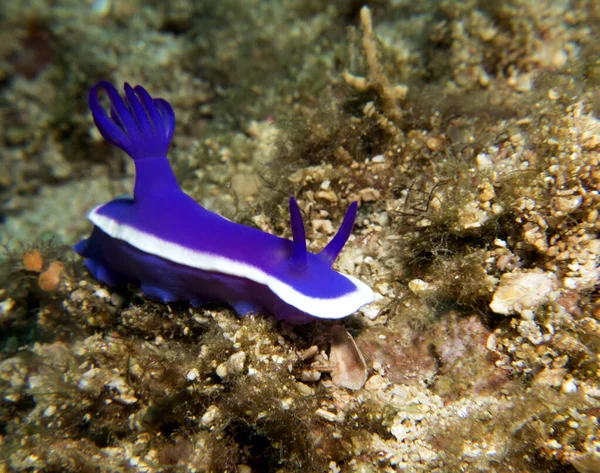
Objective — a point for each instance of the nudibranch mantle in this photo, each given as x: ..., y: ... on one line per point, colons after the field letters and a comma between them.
x: 177, y: 250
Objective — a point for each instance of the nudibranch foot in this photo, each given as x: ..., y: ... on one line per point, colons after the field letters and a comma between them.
x: 159, y: 294
x: 97, y: 268
x: 176, y: 250
x: 243, y: 308
x: 183, y: 283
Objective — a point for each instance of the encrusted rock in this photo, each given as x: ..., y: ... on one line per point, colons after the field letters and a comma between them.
x: 530, y: 330
x: 520, y: 290
x: 472, y: 216
x: 568, y: 204
x: 369, y: 194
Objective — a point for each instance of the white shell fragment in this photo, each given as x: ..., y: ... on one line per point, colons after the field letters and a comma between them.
x: 418, y: 286
x: 519, y: 291
x: 192, y: 374
x: 210, y: 416
x: 349, y: 369
x: 122, y: 393
x: 6, y: 306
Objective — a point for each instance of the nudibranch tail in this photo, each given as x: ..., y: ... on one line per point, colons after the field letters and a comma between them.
x: 333, y: 248
x: 298, y: 259
x: 141, y: 126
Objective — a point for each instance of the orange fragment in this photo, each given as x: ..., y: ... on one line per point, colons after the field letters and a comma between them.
x: 50, y: 279
x: 33, y: 261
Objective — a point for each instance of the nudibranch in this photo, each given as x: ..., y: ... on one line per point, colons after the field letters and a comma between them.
x: 176, y: 250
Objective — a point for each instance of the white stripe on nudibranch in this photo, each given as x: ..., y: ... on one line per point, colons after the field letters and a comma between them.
x: 333, y: 308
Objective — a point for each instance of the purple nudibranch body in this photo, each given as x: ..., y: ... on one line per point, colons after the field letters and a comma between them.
x: 176, y: 250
